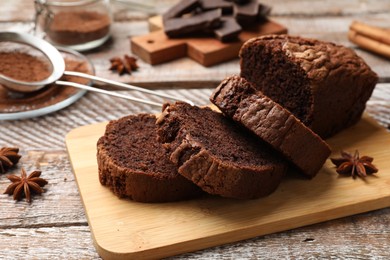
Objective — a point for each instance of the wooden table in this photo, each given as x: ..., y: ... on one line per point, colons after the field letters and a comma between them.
x: 55, y: 226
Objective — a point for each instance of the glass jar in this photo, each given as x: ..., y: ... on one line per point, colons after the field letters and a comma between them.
x: 77, y: 24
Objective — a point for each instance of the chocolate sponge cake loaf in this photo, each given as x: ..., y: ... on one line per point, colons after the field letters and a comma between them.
x: 134, y: 165
x: 323, y: 84
x: 238, y: 99
x: 218, y: 155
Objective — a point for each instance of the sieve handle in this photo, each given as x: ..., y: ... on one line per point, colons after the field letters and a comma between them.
x: 106, y: 92
x: 125, y: 86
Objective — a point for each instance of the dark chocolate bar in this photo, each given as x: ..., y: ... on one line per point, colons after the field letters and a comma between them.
x: 182, y: 7
x: 227, y: 7
x: 229, y: 30
x: 177, y: 27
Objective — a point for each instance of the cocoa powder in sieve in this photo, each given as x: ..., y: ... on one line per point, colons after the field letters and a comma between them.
x: 77, y: 27
x: 21, y: 69
x: 23, y: 66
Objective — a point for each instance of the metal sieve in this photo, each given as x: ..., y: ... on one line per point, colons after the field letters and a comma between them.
x: 58, y: 65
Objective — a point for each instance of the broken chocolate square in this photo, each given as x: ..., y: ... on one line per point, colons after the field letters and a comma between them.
x: 229, y: 30
x: 246, y: 14
x: 240, y: 2
x: 181, y: 8
x: 227, y: 8
x: 264, y: 11
x: 177, y: 27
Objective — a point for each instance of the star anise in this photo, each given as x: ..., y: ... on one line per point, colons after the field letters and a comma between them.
x: 8, y: 157
x: 125, y: 65
x: 354, y: 165
x: 25, y: 185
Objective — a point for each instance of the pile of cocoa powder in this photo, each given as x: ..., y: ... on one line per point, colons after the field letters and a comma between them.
x: 26, y: 67
x: 77, y: 27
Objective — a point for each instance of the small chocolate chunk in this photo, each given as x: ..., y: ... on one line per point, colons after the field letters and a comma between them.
x: 246, y: 14
x: 183, y: 7
x: 229, y: 30
x: 227, y: 8
x: 177, y: 27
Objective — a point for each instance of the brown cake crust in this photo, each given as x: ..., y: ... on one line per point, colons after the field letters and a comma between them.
x: 218, y: 155
x: 134, y: 165
x: 238, y: 99
x: 323, y: 84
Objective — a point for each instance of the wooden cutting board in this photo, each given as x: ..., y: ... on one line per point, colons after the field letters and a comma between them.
x: 123, y: 229
x: 156, y: 47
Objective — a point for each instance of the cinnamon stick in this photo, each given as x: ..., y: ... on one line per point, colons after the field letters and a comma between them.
x: 370, y: 37
x: 373, y: 32
x: 369, y: 44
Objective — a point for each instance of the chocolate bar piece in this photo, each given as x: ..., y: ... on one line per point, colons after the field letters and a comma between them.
x: 177, y: 27
x: 229, y: 30
x: 246, y: 14
x: 227, y: 8
x: 183, y: 7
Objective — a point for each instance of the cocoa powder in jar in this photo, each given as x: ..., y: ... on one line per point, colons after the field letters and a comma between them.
x: 78, y: 27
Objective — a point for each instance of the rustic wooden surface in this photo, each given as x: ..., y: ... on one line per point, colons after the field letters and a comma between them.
x: 54, y: 225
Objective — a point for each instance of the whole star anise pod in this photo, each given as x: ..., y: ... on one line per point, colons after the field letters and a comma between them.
x: 25, y: 185
x: 8, y: 157
x: 354, y: 165
x: 125, y: 65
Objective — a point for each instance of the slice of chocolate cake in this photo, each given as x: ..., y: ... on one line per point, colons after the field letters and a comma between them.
x: 218, y: 155
x: 323, y: 84
x: 239, y: 100
x: 133, y: 164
